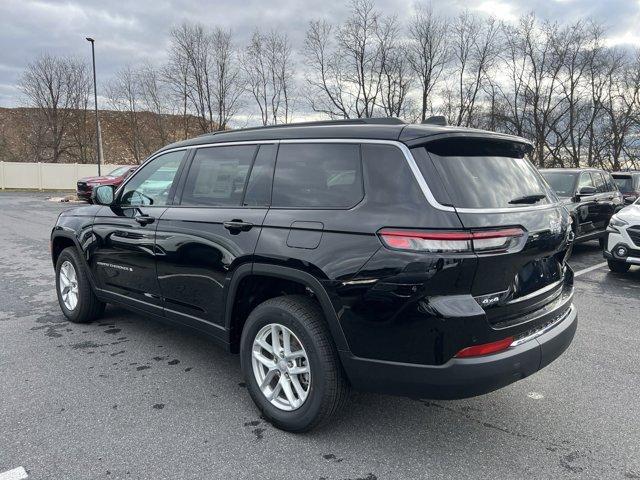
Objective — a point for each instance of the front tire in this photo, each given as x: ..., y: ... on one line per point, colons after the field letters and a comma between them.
x: 618, y: 267
x: 291, y: 365
x: 75, y: 296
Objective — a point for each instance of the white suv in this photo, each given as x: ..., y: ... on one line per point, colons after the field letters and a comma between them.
x: 623, y: 244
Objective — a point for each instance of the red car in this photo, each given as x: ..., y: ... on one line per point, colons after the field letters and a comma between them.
x: 116, y: 177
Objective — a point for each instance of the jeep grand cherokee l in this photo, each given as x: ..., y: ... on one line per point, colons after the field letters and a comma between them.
x: 407, y: 259
x: 591, y: 196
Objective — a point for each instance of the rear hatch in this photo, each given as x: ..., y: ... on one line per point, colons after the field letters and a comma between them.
x: 520, y: 230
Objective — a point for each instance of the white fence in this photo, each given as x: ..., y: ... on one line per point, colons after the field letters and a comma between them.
x: 47, y: 176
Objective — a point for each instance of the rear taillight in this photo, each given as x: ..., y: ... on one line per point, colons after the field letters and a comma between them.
x: 485, y: 348
x: 451, y: 241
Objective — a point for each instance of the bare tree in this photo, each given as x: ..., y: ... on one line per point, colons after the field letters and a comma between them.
x: 58, y: 88
x: 228, y: 86
x: 573, y: 46
x: 193, y: 47
x: 428, y: 52
x: 155, y: 99
x: 328, y: 86
x: 475, y: 52
x: 175, y: 74
x: 360, y: 45
x: 396, y: 74
x: 621, y: 109
x: 345, y: 63
x: 123, y: 94
x: 534, y: 62
x: 82, y: 131
x: 211, y: 74
x: 268, y: 69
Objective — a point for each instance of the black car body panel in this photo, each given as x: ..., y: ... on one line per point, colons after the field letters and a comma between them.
x: 391, y: 312
x: 590, y: 213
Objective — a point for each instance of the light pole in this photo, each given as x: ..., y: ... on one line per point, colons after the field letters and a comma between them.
x: 95, y: 97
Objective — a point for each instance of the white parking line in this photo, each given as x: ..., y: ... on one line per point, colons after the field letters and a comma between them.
x: 582, y: 272
x: 16, y: 474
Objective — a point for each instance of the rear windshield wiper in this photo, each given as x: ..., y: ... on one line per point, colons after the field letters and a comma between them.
x: 533, y: 198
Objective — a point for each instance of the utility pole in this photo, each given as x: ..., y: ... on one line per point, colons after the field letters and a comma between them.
x: 95, y: 97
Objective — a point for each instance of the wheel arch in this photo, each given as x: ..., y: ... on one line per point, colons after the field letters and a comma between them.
x: 61, y: 240
x: 291, y: 277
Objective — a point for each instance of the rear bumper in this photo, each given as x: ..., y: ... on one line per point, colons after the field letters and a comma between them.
x: 461, y: 378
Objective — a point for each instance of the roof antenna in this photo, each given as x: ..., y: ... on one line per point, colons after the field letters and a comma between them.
x: 436, y: 120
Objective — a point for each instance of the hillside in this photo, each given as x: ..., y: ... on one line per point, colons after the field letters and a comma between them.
x: 24, y: 136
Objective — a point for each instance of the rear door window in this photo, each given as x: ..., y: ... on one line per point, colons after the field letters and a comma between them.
x: 601, y: 186
x: 218, y: 175
x: 484, y: 173
x: 259, y: 185
x: 318, y: 175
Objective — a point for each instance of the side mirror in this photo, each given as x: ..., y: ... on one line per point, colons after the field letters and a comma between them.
x: 103, y: 195
x: 628, y: 200
x: 586, y: 191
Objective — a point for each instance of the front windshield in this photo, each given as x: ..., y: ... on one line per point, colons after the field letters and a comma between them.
x: 118, y: 171
x: 561, y: 182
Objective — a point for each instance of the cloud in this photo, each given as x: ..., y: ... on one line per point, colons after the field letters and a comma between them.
x: 136, y: 31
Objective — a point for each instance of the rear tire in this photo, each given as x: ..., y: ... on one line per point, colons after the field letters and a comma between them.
x: 301, y: 318
x: 618, y: 267
x: 75, y: 295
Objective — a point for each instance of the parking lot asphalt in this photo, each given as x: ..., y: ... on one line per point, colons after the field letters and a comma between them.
x: 128, y: 397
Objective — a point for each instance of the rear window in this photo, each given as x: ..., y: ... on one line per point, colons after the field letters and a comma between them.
x: 318, y: 176
x: 625, y: 184
x: 484, y: 173
x: 563, y: 183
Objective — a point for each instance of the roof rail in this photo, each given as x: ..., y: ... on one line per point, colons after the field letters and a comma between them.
x: 436, y: 120
x: 345, y: 121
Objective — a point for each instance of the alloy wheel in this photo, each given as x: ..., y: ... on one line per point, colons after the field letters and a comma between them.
x: 68, y: 284
x: 281, y: 367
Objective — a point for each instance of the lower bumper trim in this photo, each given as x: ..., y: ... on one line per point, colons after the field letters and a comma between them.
x: 463, y: 377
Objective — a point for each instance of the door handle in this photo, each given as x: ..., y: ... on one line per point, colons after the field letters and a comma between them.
x: 144, y: 219
x: 235, y: 226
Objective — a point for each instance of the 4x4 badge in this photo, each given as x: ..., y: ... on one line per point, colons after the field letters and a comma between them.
x: 492, y: 299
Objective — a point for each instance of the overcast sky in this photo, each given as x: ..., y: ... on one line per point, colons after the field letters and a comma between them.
x: 136, y: 31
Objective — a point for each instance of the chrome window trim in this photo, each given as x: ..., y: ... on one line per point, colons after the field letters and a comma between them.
x: 417, y: 174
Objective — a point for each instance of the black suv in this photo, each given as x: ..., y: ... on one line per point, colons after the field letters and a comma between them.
x: 407, y: 259
x: 592, y: 197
